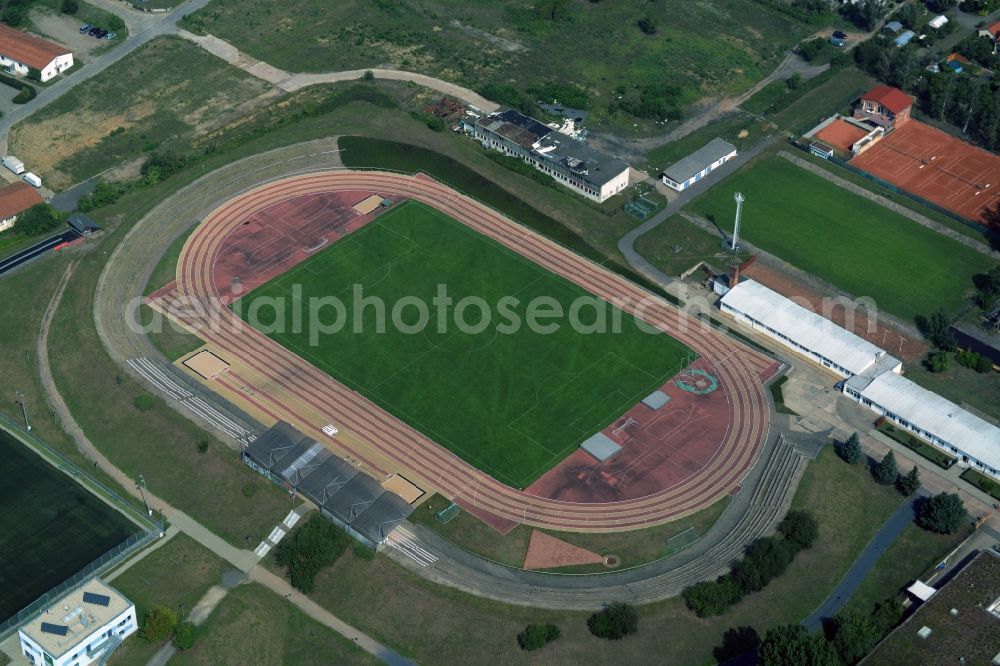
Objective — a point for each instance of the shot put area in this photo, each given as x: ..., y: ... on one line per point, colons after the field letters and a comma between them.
x: 596, y: 430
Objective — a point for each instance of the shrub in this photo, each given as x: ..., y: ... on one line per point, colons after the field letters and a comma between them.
x: 648, y: 25
x: 24, y: 95
x: 614, y: 622
x: 791, y: 645
x: 158, y: 623
x: 766, y: 558
x: 249, y: 490
x: 39, y: 219
x: 710, y: 598
x: 203, y: 446
x: 144, y: 402
x: 435, y: 124
x: 537, y: 636
x: 944, y: 513
x: 369, y: 75
x: 968, y: 359
x: 184, y: 635
x: 937, y: 361
x: 70, y: 6
x: 800, y: 529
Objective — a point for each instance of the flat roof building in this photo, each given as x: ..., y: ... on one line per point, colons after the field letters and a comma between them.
x: 80, y: 628
x: 688, y: 171
x: 804, y: 331
x: 574, y: 164
x: 20, y: 53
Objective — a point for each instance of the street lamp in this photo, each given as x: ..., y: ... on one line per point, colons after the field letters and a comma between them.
x: 24, y: 410
x: 141, y: 485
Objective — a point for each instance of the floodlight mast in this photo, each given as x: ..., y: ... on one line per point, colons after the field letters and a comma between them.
x: 739, y: 198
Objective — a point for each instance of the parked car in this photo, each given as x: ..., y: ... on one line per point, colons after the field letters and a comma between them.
x: 110, y: 35
x: 85, y: 28
x: 93, y: 31
x: 101, y: 34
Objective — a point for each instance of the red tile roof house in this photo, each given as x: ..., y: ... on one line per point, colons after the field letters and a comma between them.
x: 993, y: 32
x: 15, y: 199
x: 885, y: 106
x: 21, y: 53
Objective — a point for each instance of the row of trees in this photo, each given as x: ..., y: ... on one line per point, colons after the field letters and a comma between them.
x: 161, y: 623
x: 764, y: 560
x: 613, y: 622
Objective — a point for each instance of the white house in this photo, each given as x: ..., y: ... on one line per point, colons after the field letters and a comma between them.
x: 697, y: 165
x: 569, y: 161
x: 20, y: 53
x: 79, y: 629
x: 14, y: 199
x: 938, y: 21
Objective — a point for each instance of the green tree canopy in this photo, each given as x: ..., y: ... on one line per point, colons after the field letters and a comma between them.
x: 944, y: 513
x: 885, y: 472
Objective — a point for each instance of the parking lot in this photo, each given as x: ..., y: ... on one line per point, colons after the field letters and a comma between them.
x: 66, y: 30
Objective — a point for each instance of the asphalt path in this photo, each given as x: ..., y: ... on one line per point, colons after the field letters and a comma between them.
x: 35, y: 251
x: 863, y: 565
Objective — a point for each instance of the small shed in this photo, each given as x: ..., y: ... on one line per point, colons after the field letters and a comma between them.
x: 82, y: 224
x: 821, y: 149
x: 893, y: 27
x: 921, y: 591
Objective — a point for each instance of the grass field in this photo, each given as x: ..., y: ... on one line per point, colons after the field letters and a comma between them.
x: 598, y: 46
x: 633, y: 547
x: 851, y: 242
x: 677, y: 245
x: 55, y: 526
x: 253, y: 625
x: 510, y: 400
x: 157, y: 98
x: 835, y: 94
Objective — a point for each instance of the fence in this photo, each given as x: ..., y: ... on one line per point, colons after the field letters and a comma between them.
x: 150, y: 529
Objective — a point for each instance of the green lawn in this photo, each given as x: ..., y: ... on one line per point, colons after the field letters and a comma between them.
x: 175, y: 575
x: 633, y: 547
x: 677, y: 245
x: 253, y: 625
x: 832, y: 95
x: 853, y: 243
x: 511, y: 400
x: 705, y: 48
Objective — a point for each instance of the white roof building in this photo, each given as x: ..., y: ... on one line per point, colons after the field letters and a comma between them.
x: 931, y: 417
x: 82, y: 627
x: 938, y: 21
x: 804, y: 331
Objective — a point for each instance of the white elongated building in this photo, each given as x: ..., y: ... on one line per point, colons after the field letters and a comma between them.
x: 81, y: 628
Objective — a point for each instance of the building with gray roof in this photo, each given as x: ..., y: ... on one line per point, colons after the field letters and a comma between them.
x: 570, y: 162
x: 688, y: 171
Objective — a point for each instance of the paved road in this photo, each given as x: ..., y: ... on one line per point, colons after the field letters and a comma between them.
x: 35, y: 251
x: 626, y: 245
x: 863, y: 564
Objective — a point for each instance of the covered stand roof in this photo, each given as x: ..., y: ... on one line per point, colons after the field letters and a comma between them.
x: 341, y: 489
x: 801, y: 325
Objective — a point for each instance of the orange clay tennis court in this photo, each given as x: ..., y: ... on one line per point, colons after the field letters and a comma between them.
x: 841, y: 135
x: 927, y: 162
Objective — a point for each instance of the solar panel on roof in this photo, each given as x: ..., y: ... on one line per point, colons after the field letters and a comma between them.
x: 99, y: 599
x: 57, y: 629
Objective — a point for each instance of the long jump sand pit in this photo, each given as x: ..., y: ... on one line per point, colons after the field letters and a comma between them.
x: 941, y: 168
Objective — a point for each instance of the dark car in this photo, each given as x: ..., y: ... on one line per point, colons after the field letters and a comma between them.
x: 840, y: 34
x: 93, y: 31
x: 101, y: 34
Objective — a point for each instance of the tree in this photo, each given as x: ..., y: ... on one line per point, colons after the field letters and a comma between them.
x: 648, y: 25
x: 736, y: 643
x: 766, y: 558
x: 794, y: 81
x: 937, y: 329
x: 944, y: 513
x: 70, y: 6
x: 791, y: 645
x: 885, y: 472
x: 158, y: 623
x: 184, y: 635
x: 800, y: 529
x: 310, y: 549
x: 709, y: 598
x: 854, y: 636
x: 614, y: 622
x: 536, y: 636
x: 910, y: 483
x: 850, y: 451
x: 38, y: 219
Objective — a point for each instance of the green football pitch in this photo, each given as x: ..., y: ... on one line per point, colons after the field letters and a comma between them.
x: 50, y: 527
x: 853, y: 243
x: 511, y: 400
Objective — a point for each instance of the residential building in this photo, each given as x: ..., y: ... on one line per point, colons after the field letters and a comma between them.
x: 937, y: 22
x: 904, y: 38
x: 884, y: 106
x: 893, y: 27
x: 688, y: 171
x: 570, y: 162
x: 21, y: 54
x: 15, y: 199
x: 82, y: 627
x: 992, y: 31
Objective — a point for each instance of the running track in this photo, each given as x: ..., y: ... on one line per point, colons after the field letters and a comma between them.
x: 739, y: 368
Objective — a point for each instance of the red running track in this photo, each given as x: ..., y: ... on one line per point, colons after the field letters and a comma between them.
x: 197, y: 304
